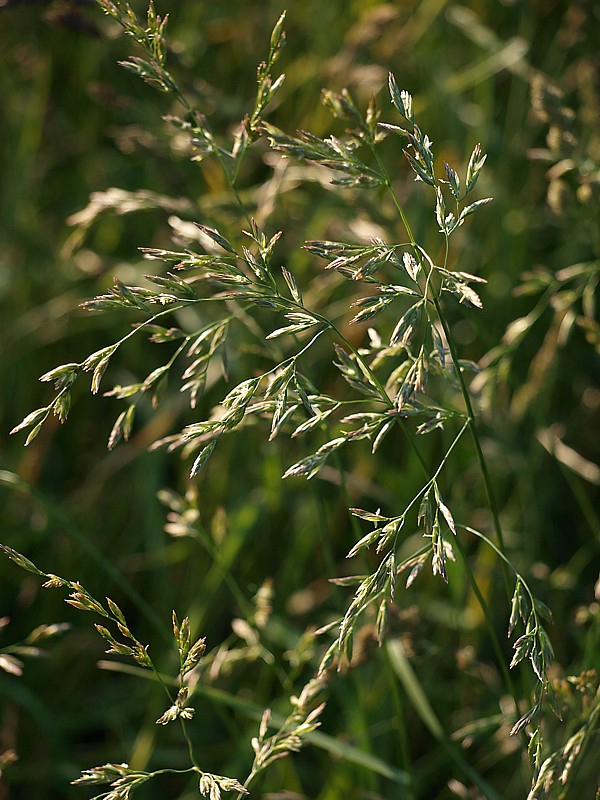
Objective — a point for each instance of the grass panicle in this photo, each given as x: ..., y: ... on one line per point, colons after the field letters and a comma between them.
x: 337, y: 350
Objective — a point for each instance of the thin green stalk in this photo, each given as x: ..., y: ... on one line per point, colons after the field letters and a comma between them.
x: 490, y: 628
x: 473, y: 427
x: 204, y: 541
x: 182, y: 723
x: 173, y: 771
x: 400, y: 717
x: 188, y: 742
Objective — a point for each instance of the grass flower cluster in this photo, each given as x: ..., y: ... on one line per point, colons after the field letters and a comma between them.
x: 332, y: 355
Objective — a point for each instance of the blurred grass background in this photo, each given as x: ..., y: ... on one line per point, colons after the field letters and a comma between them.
x: 73, y: 123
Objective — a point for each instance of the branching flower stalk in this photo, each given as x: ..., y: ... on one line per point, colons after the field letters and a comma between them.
x: 389, y: 381
x: 152, y: 69
x: 341, y: 157
x: 423, y: 167
x: 534, y: 644
x: 303, y: 720
x: 122, y: 779
x: 65, y: 375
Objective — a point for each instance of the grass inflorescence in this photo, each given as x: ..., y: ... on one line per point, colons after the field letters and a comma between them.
x: 377, y: 597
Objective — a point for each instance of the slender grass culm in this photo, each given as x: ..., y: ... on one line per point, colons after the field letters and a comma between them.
x: 353, y: 374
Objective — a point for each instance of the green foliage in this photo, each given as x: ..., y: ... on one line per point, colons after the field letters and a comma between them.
x: 301, y: 290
